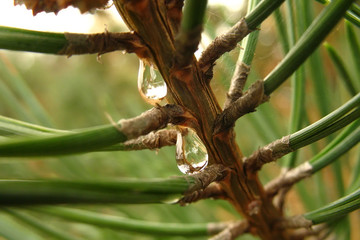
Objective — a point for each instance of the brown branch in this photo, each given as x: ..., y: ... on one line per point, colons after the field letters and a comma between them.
x: 232, y: 231
x: 288, y: 178
x: 266, y: 154
x: 297, y: 221
x: 212, y: 173
x: 205, y: 185
x: 237, y: 83
x: 300, y: 234
x: 153, y: 140
x: 55, y: 5
x: 104, y: 42
x: 153, y: 119
x: 214, y: 228
x: 222, y: 44
x: 252, y: 98
x: 213, y: 191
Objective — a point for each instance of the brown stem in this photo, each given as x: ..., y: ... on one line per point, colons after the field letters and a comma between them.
x: 153, y: 140
x: 288, y: 178
x: 214, y: 191
x: 222, y: 44
x: 300, y: 234
x: 245, y: 104
x: 297, y: 221
x: 101, y: 43
x: 153, y: 119
x: 238, y: 81
x: 232, y: 231
x: 213, y: 173
x: 266, y: 154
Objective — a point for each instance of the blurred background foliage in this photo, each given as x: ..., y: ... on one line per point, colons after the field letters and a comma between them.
x: 76, y: 92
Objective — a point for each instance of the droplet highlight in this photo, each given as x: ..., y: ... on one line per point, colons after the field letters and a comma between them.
x: 151, y: 85
x: 191, y: 153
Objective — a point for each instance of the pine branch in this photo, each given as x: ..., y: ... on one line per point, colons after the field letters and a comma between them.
x: 289, y: 178
x: 340, y: 145
x: 212, y: 173
x: 242, y: 67
x: 228, y: 41
x: 213, y: 191
x: 332, y: 122
x: 238, y: 81
x: 268, y: 153
x: 153, y: 140
x: 299, y: 234
x: 94, y: 138
x: 252, y: 98
x: 70, y: 43
x: 222, y: 44
x: 232, y: 231
x: 298, y: 221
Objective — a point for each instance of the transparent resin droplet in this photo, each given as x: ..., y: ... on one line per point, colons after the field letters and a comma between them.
x: 151, y: 85
x: 191, y: 154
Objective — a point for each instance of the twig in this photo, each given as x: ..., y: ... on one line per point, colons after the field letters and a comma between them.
x: 289, y: 178
x: 222, y: 44
x: 214, y: 191
x: 232, y: 231
x: 104, y: 42
x: 305, y: 232
x: 153, y: 119
x: 252, y: 98
x: 55, y: 6
x: 153, y: 140
x: 238, y: 81
x: 279, y: 199
x: 267, y: 154
x: 298, y: 221
x: 212, y: 173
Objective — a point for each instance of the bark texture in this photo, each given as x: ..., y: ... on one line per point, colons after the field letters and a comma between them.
x: 189, y: 88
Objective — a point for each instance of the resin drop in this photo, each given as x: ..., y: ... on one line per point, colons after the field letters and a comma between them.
x: 191, y: 154
x: 151, y: 85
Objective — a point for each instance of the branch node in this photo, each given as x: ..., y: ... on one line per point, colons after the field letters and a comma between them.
x: 252, y: 98
x: 222, y: 44
x: 232, y: 231
x: 105, y: 42
x: 238, y: 81
x: 153, y: 119
x: 298, y: 221
x: 214, y: 191
x: 201, y: 189
x: 266, y: 154
x: 212, y: 173
x: 153, y: 140
x: 288, y: 178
